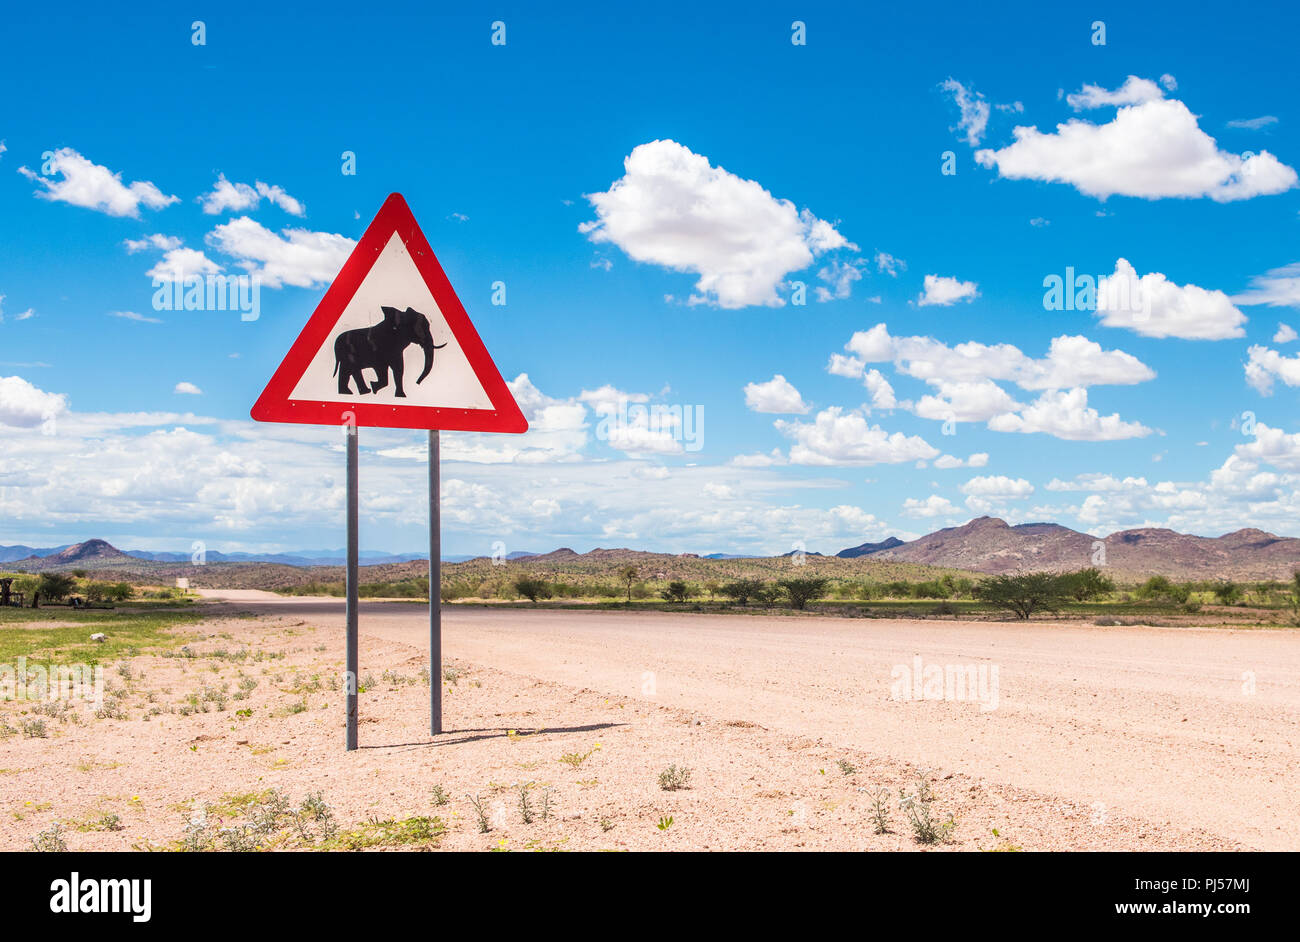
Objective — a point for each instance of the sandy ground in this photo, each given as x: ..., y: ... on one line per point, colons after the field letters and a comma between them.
x: 1099, y: 738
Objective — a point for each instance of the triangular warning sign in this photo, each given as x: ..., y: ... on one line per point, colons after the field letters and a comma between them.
x: 390, y: 346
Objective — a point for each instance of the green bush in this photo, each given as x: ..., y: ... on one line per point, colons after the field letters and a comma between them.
x: 677, y: 591
x: 1228, y: 593
x: 742, y: 590
x: 803, y: 591
x: 55, y: 586
x: 1087, y: 585
x: 533, y: 589
x: 1024, y: 595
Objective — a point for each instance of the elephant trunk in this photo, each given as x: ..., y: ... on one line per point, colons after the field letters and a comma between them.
x: 425, y: 340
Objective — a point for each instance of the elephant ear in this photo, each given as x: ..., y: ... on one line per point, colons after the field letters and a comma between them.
x: 391, y: 313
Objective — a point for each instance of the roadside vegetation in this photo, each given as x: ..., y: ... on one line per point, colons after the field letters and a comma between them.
x: 54, y: 636
x: 1089, y: 592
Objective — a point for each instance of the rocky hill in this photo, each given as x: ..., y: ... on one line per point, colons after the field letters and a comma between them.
x: 988, y: 544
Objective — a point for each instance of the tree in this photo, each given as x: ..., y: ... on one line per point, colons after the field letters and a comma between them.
x: 742, y: 590
x: 898, y: 589
x: 1228, y: 592
x: 120, y: 591
x: 803, y: 591
x: 627, y: 575
x: 677, y: 591
x: 55, y: 585
x: 1154, y: 587
x: 1024, y: 594
x: 532, y: 589
x: 1087, y: 584
x: 712, y: 588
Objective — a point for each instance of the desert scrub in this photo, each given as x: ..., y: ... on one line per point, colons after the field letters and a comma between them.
x: 673, y: 778
x: 314, y: 819
x: 35, y: 729
x: 418, y: 832
x: 880, y: 811
x: 480, y: 815
x: 111, y: 709
x: 927, y: 828
x: 845, y: 766
x: 440, y: 796
x: 59, y: 710
x: 525, y: 808
x: 313, y: 684
x: 258, y: 821
x: 105, y: 822
x: 292, y: 709
x: 50, y: 841
x: 576, y: 759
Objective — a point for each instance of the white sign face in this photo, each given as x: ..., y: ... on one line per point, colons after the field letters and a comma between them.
x: 377, y: 351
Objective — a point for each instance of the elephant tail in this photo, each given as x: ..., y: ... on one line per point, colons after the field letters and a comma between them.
x: 439, y: 346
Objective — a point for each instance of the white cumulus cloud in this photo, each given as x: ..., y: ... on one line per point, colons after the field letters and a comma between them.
x: 944, y: 290
x: 1065, y: 413
x: 93, y: 186
x: 298, y: 257
x: 673, y: 208
x: 932, y: 506
x: 835, y: 437
x: 998, y: 486
x: 239, y: 197
x: 26, y: 406
x: 1154, y: 306
x: 1266, y: 365
x: 1152, y: 149
x: 777, y: 395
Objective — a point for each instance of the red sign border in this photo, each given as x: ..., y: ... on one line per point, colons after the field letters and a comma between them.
x: 274, y: 405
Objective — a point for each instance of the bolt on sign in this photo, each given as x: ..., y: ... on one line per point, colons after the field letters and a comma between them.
x: 390, y: 346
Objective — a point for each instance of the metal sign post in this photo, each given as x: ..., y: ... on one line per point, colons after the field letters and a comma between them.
x: 353, y: 666
x: 435, y: 588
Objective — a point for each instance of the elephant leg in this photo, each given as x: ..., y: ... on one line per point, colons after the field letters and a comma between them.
x: 343, y: 371
x: 398, y: 366
x: 381, y: 371
x: 360, y: 380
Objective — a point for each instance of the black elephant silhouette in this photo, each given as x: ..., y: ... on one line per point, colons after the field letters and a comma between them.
x: 381, y: 348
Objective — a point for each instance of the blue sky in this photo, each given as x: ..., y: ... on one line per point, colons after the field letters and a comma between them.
x: 651, y: 192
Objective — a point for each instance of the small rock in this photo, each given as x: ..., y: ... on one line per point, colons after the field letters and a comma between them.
x: 99, y: 636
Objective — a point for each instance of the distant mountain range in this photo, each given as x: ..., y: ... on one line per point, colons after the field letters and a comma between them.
x: 986, y: 544
x: 869, y: 549
x: 100, y: 551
